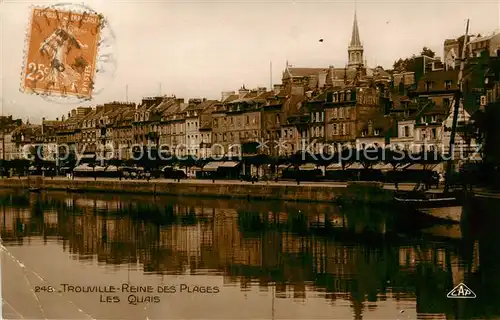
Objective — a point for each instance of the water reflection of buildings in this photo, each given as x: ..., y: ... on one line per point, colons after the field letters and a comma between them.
x: 211, y: 238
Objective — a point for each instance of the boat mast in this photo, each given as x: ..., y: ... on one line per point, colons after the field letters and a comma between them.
x: 458, y: 97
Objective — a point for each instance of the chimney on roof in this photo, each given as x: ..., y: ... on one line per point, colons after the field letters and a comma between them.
x: 62, y: 118
x: 69, y: 115
x: 243, y: 91
x: 226, y: 94
x: 261, y: 90
x: 277, y: 88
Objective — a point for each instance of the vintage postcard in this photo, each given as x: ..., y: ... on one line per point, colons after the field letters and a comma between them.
x: 62, y: 51
x: 196, y: 160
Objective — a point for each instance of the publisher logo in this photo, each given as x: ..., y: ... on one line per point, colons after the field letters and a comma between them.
x: 461, y: 291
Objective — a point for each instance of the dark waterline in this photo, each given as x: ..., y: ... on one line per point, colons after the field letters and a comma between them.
x: 232, y: 259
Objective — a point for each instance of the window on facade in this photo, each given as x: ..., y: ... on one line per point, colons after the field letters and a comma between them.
x: 364, y: 133
x: 434, y: 119
x: 406, y: 131
x: 341, y: 113
x: 376, y: 132
x: 312, y: 117
x: 446, y: 102
x: 447, y: 84
x: 428, y: 85
x: 335, y: 97
x: 422, y: 134
x: 347, y: 113
x: 343, y: 129
x: 433, y: 133
x: 247, y: 121
x: 318, y: 117
x: 285, y: 133
x: 335, y: 113
x: 341, y: 97
x: 277, y: 119
x: 335, y: 129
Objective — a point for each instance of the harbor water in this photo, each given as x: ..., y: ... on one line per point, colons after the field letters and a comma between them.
x: 100, y: 256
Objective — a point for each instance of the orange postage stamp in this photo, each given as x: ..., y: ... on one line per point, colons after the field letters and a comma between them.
x: 62, y: 47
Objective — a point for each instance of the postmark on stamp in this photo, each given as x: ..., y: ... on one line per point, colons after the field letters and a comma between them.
x: 64, y: 52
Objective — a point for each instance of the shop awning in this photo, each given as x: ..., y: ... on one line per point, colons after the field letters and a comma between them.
x: 383, y: 166
x: 419, y: 166
x: 83, y: 168
x: 308, y: 166
x: 356, y: 166
x: 229, y: 164
x: 211, y: 166
x: 334, y: 166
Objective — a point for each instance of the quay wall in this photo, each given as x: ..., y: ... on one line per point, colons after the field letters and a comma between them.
x: 359, y: 192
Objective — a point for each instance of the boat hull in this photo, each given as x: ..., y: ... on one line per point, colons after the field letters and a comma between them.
x: 452, y: 213
x: 427, y: 203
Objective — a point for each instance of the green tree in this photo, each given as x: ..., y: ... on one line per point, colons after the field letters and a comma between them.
x: 427, y: 52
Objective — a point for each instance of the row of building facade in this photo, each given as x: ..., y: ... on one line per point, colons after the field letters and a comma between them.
x: 313, y: 109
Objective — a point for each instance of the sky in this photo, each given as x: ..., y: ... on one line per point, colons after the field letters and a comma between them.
x: 196, y: 49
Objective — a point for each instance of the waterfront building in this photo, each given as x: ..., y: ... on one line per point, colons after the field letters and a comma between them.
x: 294, y: 130
x: 90, y: 144
x: 8, y: 150
x: 166, y: 108
x: 70, y: 132
x: 110, y: 143
x: 122, y: 134
x: 194, y: 137
x: 272, y: 119
x: 489, y: 44
x: 176, y: 122
x: 146, y: 120
x: 348, y: 112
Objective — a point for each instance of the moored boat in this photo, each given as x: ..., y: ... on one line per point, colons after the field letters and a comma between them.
x: 422, y: 200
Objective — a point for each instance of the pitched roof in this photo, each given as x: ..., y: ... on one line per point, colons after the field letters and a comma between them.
x: 305, y: 72
x: 292, y: 105
x: 484, y: 38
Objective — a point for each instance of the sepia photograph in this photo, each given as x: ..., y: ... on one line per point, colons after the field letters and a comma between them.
x: 231, y: 159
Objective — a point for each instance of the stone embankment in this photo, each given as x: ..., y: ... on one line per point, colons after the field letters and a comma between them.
x: 310, y: 192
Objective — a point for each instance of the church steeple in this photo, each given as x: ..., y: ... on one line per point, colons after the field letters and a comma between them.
x: 355, y: 42
x: 355, y: 49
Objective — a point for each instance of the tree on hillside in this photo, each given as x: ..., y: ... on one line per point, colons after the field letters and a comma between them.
x: 408, y: 64
x: 427, y: 52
